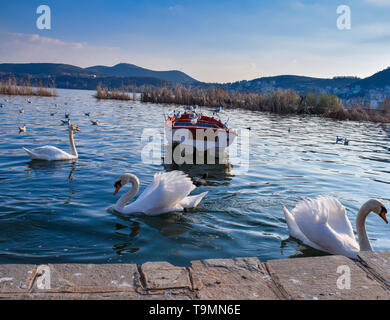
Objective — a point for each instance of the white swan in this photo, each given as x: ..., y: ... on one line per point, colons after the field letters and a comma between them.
x: 167, y: 193
x: 50, y: 153
x: 323, y: 224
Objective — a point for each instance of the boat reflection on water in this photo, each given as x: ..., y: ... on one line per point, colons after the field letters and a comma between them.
x: 217, y: 174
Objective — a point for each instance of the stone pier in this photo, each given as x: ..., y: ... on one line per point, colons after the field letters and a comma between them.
x: 318, y: 278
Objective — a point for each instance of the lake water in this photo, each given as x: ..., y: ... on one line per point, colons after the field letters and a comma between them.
x: 62, y: 211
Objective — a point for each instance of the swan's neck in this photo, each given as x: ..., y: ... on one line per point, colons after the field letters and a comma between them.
x: 364, y: 242
x: 72, y: 144
x: 130, y: 194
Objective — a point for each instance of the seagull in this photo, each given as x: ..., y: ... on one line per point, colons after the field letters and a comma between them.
x: 67, y: 121
x: 95, y: 123
x: 29, y: 101
x: 22, y: 129
x: 217, y: 110
x: 338, y: 139
x: 289, y: 130
x: 21, y: 111
x: 67, y: 115
x: 346, y: 142
x: 1, y: 105
x: 87, y: 114
x: 53, y: 113
x: 195, y: 119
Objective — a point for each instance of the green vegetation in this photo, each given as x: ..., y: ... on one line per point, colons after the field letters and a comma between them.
x: 24, y: 88
x: 279, y: 101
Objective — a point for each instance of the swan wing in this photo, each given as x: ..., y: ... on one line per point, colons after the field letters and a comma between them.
x: 165, y: 193
x: 323, y: 221
x: 192, y: 201
x: 48, y: 153
x: 31, y: 154
x: 294, y: 230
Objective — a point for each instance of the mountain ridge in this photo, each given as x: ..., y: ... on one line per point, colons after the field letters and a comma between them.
x: 125, y: 74
x: 131, y: 70
x: 118, y: 70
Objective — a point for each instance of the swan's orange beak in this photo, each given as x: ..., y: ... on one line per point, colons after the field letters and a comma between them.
x: 77, y: 129
x: 383, y: 215
x: 117, y: 186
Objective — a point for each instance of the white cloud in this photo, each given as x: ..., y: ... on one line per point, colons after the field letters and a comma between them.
x: 20, y: 47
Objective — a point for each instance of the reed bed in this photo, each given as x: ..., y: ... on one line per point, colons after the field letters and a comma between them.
x: 24, y: 88
x: 279, y: 101
x: 116, y: 94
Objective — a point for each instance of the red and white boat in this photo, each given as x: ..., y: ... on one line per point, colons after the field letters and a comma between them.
x: 198, y: 130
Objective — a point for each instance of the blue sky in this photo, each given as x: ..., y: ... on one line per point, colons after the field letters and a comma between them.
x: 214, y: 41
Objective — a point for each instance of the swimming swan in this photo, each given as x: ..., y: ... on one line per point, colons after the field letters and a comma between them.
x: 323, y: 224
x: 167, y: 193
x: 50, y: 153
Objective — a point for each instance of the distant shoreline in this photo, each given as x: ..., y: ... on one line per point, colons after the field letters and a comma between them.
x: 284, y: 102
x: 279, y: 102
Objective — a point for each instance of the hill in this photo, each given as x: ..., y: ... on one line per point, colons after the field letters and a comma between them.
x: 124, y: 74
x: 131, y: 70
x: 379, y: 80
x: 297, y: 83
x: 122, y: 70
x: 43, y: 69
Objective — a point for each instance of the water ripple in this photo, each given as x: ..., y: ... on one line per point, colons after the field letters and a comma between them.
x: 63, y: 211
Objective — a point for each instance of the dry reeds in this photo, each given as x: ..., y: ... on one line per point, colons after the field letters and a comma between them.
x: 24, y: 88
x: 116, y: 94
x: 279, y: 101
x: 134, y: 95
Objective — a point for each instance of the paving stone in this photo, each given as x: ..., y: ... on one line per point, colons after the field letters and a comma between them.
x: 231, y: 279
x: 378, y: 263
x: 165, y: 295
x: 317, y: 279
x: 91, y: 278
x: 223, y: 279
x: 163, y: 275
x: 15, y: 277
x: 70, y: 296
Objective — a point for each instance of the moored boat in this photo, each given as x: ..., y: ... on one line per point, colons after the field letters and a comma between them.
x: 202, y: 132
